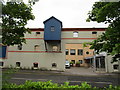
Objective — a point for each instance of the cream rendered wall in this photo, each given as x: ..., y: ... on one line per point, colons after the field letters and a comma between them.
x: 44, y: 59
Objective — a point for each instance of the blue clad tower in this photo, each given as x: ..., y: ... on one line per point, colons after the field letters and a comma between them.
x: 52, y: 33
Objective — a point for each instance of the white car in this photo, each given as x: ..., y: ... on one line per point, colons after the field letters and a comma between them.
x: 67, y: 64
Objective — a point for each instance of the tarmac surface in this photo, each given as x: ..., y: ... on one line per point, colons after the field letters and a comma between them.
x: 74, y: 75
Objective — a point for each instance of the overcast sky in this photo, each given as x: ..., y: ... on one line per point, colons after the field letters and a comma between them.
x: 72, y: 13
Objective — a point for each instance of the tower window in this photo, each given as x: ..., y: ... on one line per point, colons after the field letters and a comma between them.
x: 55, y: 48
x: 52, y: 28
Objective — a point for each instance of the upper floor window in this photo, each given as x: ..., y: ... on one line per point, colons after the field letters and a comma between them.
x: 37, y: 33
x: 94, y: 32
x: 37, y: 47
x: 20, y: 47
x: 80, y: 51
x: 75, y: 34
x: 72, y: 51
x: 52, y: 28
x: 66, y: 51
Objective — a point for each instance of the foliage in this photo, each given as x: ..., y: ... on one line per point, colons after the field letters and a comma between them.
x: 49, y: 85
x: 78, y: 62
x: 71, y: 62
x: 14, y: 18
x: 109, y: 13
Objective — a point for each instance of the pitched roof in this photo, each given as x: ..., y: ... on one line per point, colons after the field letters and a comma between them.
x: 51, y: 18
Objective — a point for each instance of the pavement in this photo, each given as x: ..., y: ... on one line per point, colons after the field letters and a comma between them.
x: 81, y: 71
x: 86, y: 71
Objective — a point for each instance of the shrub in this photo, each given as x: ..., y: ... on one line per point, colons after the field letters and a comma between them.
x: 49, y: 85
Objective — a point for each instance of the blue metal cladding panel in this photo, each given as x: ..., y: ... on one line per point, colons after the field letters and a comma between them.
x: 52, y: 35
x: 3, y: 51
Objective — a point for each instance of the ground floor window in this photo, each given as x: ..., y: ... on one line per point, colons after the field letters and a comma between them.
x: 73, y: 61
x: 54, y: 65
x: 81, y: 61
x: 17, y: 64
x: 1, y: 63
x: 115, y: 66
x: 35, y: 64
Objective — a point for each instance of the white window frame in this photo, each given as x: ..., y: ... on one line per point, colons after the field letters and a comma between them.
x: 75, y: 34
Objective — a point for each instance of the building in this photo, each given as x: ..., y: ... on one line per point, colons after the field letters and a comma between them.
x: 49, y: 47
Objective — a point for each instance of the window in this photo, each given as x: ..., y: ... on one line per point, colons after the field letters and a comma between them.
x: 20, y: 47
x: 81, y: 61
x: 17, y: 64
x: 35, y: 64
x: 73, y: 61
x: 72, y: 51
x: 52, y: 28
x: 80, y: 51
x: 75, y: 34
x: 1, y: 63
x: 54, y: 65
x: 37, y: 47
x: 94, y: 32
x: 115, y: 66
x: 55, y: 48
x: 67, y: 52
x: 87, y: 52
x: 37, y: 33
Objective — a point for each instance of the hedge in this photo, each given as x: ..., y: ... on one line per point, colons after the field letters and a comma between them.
x: 50, y: 86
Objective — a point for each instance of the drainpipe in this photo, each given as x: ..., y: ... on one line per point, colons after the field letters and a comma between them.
x: 94, y: 62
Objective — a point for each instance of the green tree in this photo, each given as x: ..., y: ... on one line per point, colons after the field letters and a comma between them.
x: 109, y: 13
x: 14, y: 18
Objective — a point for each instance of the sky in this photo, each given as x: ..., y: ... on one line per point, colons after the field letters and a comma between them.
x: 72, y: 13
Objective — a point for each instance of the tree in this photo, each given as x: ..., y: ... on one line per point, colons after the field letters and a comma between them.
x: 109, y: 13
x: 14, y: 18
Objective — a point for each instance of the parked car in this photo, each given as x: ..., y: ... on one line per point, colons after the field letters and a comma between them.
x: 67, y: 64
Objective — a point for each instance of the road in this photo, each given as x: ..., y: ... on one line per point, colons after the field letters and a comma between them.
x: 60, y: 77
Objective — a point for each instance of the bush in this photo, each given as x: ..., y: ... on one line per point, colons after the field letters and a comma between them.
x: 49, y: 85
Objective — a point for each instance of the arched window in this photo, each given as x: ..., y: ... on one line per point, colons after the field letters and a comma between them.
x: 37, y: 47
x: 55, y: 48
x: 37, y: 33
x: 17, y: 64
x: 20, y: 47
x: 75, y: 34
x: 35, y: 64
x: 54, y: 65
